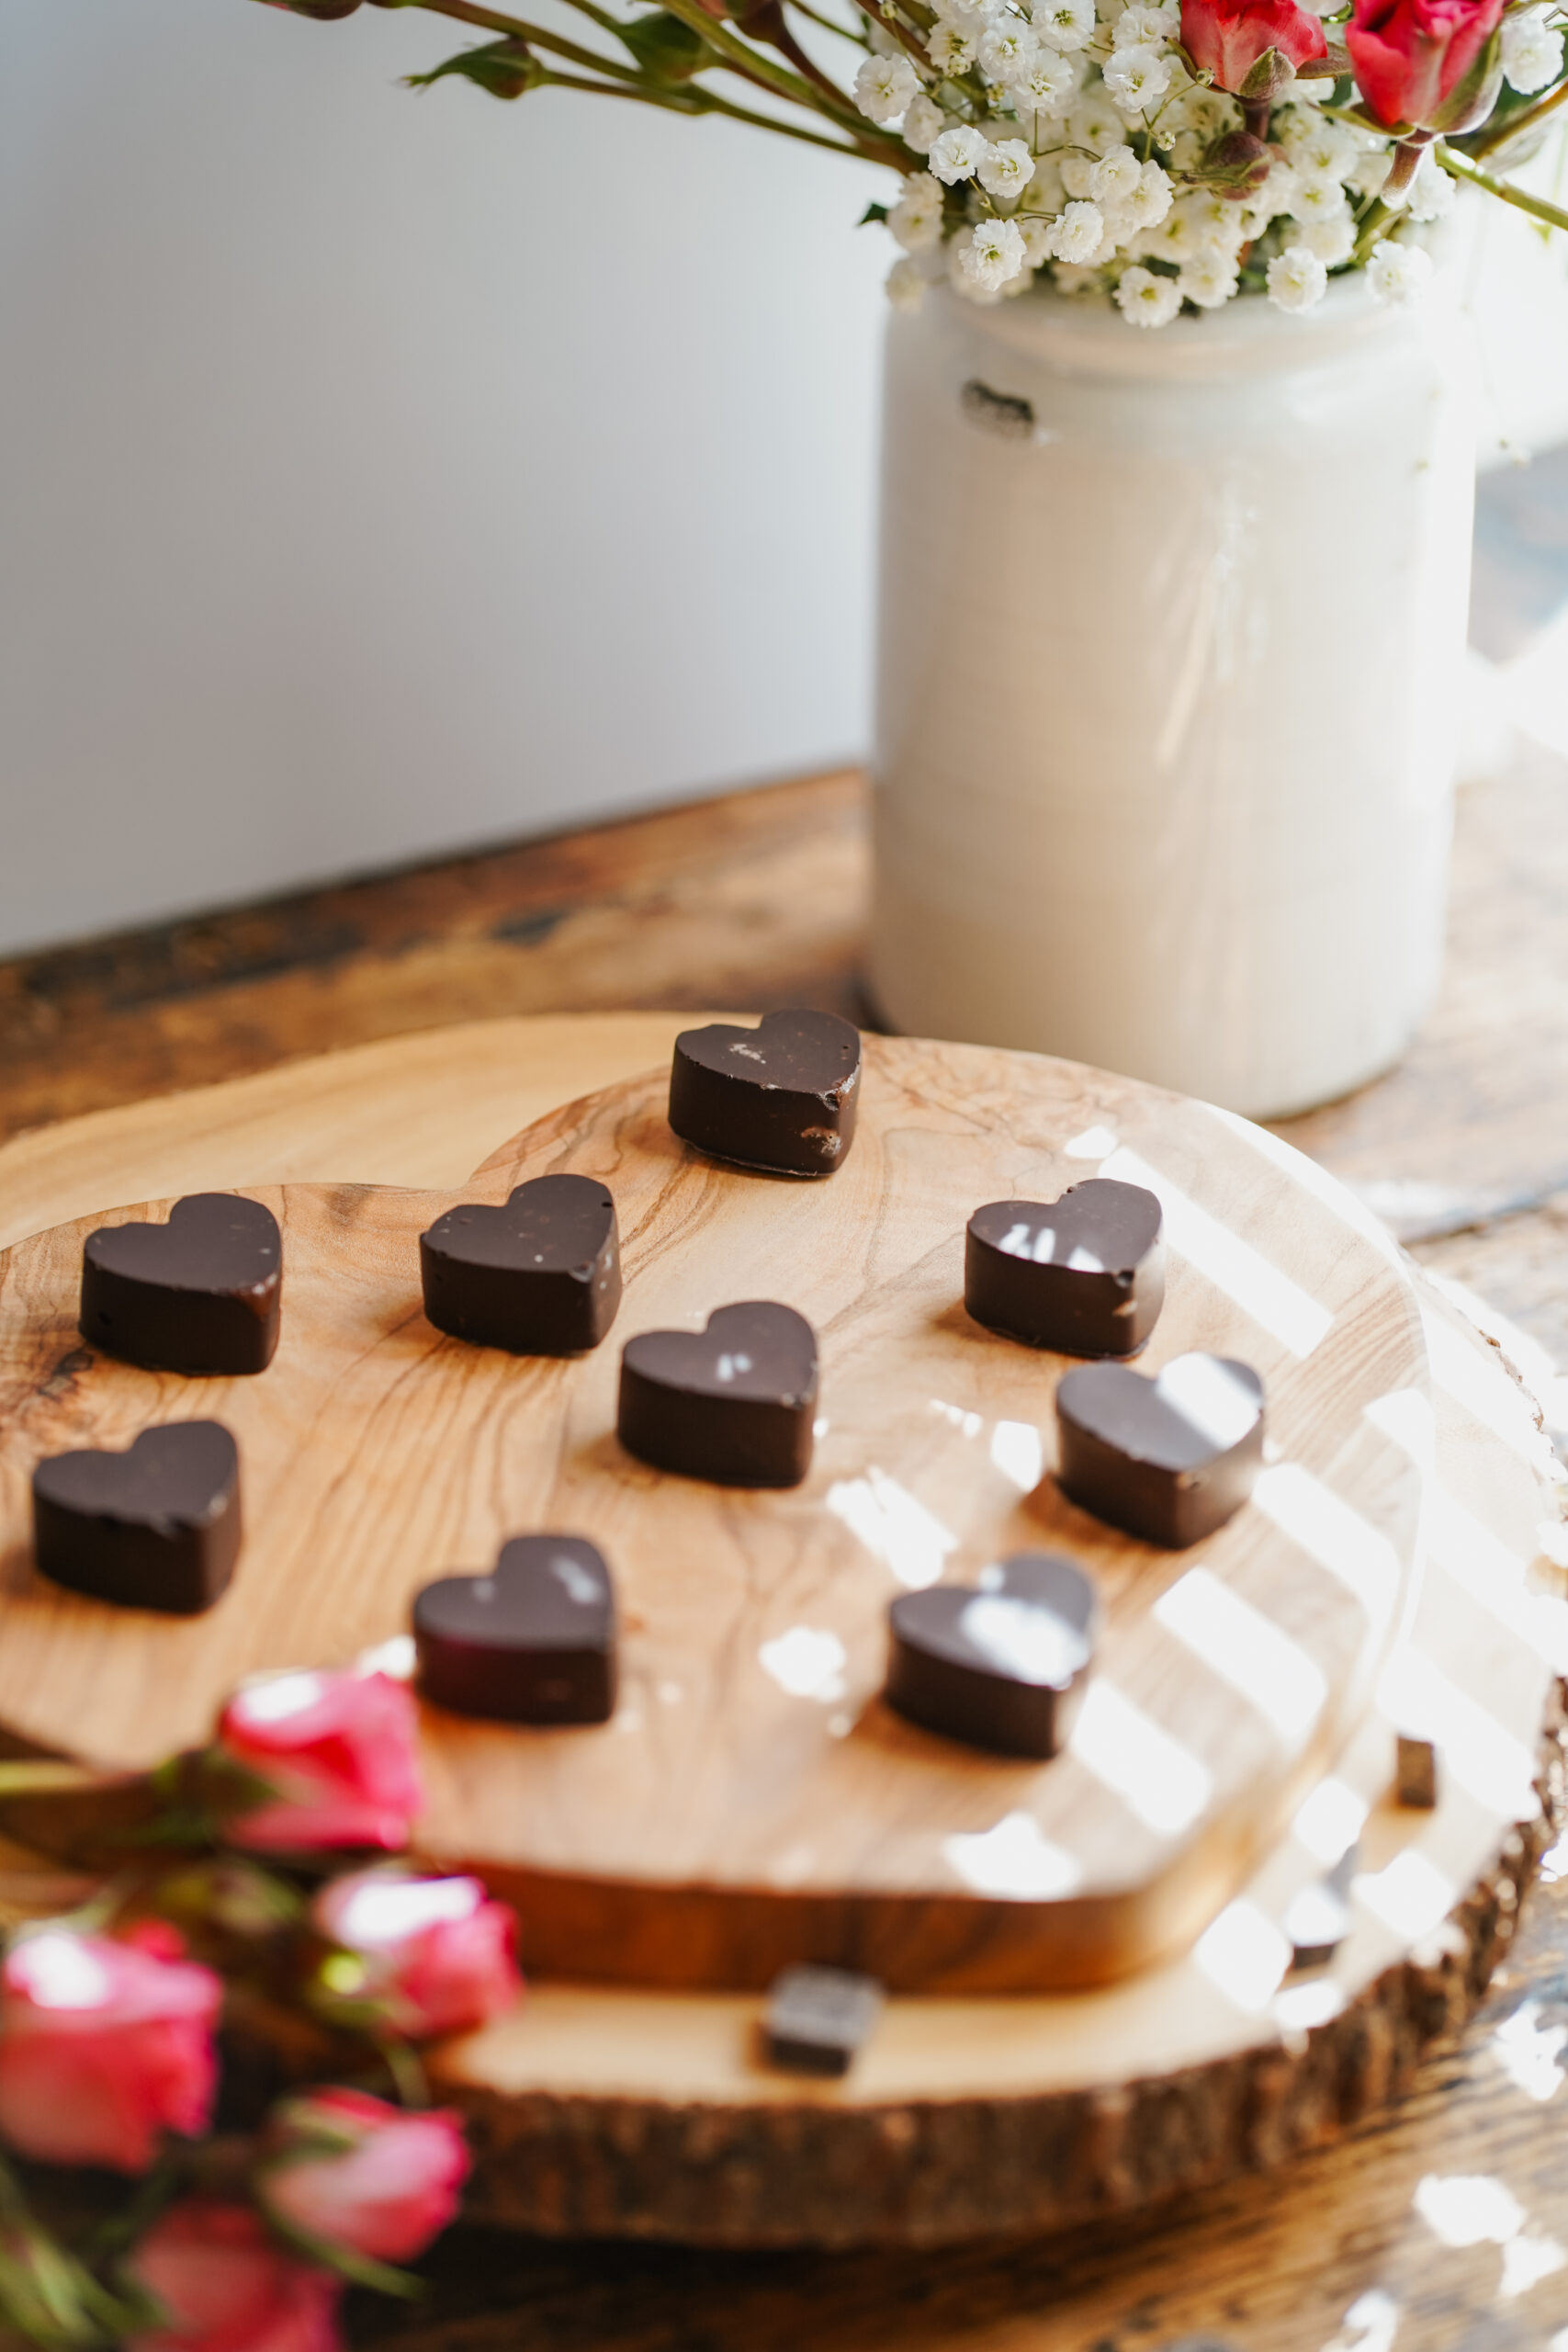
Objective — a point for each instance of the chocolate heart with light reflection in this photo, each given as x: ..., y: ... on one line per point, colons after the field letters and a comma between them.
x: 540, y: 1276
x: 199, y: 1296
x: 733, y: 1404
x: 155, y: 1527
x: 1168, y: 1458
x: 532, y: 1642
x: 1001, y: 1664
x: 1084, y: 1274
x: 781, y: 1097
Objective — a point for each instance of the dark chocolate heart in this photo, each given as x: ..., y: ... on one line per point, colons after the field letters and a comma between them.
x: 733, y: 1404
x: 1170, y: 1458
x: 818, y: 2018
x: 533, y: 1642
x: 780, y: 1097
x: 541, y: 1276
x: 156, y: 1527
x: 1001, y: 1664
x: 200, y: 1294
x: 1084, y: 1274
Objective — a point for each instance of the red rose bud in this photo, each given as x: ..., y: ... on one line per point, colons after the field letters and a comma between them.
x: 1436, y: 65
x: 349, y: 2174
x: 433, y: 1956
x: 323, y: 10
x: 226, y: 2285
x: 1236, y: 165
x: 1227, y: 37
x: 336, y: 1753
x: 104, y: 2046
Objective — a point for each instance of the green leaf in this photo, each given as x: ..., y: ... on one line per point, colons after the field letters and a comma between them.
x: 505, y: 68
x: 873, y: 212
x: 666, y: 48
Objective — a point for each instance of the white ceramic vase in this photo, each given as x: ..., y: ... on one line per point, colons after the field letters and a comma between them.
x: 1171, y: 659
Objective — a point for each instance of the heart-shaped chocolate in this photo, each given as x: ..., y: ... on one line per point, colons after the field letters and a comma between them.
x: 156, y: 1527
x: 1084, y: 1274
x: 1001, y: 1664
x: 201, y: 1295
x: 819, y: 2018
x: 541, y: 1276
x: 780, y: 1097
x: 1170, y: 1458
x: 533, y: 1642
x: 733, y: 1404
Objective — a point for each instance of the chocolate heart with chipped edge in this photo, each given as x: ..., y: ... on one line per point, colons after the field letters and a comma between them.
x: 1001, y: 1664
x: 201, y: 1295
x: 781, y: 1097
x: 1084, y: 1274
x: 1170, y: 1458
x: 533, y: 1642
x: 540, y: 1276
x: 733, y: 1404
x: 819, y: 2018
x: 155, y: 1527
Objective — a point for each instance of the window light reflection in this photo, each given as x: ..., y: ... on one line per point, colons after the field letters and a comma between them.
x: 1245, y: 1649
x: 1157, y: 1779
x: 1330, y: 1532
x: 1244, y: 1954
x: 1013, y: 1858
x: 1258, y: 1287
x: 894, y: 1525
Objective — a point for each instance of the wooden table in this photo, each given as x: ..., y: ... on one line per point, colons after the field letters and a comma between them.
x: 1441, y: 2229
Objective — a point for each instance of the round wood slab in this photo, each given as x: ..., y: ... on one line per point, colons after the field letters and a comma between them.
x: 752, y: 1802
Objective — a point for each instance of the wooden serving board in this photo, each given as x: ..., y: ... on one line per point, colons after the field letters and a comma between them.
x: 752, y: 1802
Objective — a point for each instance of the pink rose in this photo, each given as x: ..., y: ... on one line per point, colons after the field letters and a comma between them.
x: 228, y: 2286
x: 352, y: 2172
x: 1428, y: 62
x: 1228, y: 37
x: 104, y: 2047
x: 336, y: 1751
x: 437, y: 1952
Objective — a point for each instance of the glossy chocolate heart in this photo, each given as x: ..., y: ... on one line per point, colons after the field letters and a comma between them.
x: 540, y: 1276
x: 1170, y: 1458
x: 1084, y: 1274
x: 733, y: 1404
x: 780, y: 1097
x: 156, y: 1527
x: 533, y: 1642
x: 1000, y: 1664
x: 819, y: 2018
x: 200, y: 1294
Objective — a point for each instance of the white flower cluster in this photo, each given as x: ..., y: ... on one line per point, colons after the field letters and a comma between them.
x: 1066, y: 139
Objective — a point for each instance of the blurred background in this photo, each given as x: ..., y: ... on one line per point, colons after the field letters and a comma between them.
x: 385, y: 474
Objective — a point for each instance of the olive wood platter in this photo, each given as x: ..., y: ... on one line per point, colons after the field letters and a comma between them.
x: 752, y: 1801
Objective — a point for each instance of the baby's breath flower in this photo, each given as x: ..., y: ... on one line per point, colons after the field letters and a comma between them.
x: 1007, y: 49
x: 1145, y: 300
x: 1079, y: 232
x: 1136, y: 78
x: 1006, y: 170
x: 923, y: 121
x: 1369, y: 171
x: 1064, y: 23
x: 1430, y: 196
x: 1532, y: 52
x: 1113, y: 178
x: 970, y: 17
x: 1398, y: 274
x: 884, y: 87
x: 1209, y: 221
x: 1046, y: 85
x: 1332, y: 240
x: 995, y: 252
x: 1151, y: 198
x: 1095, y: 123
x: 1141, y: 27
x: 1078, y: 173
x: 958, y: 153
x: 1319, y: 147
x: 906, y: 285
x: 1317, y: 199
x: 1297, y: 279
x: 950, y: 51
x: 1209, y: 279
x: 1038, y: 234
x: 916, y: 219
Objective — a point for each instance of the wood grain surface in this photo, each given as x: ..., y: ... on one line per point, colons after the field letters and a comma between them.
x: 752, y: 1802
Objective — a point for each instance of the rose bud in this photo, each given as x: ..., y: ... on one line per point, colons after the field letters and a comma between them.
x: 349, y: 2174
x: 1236, y: 165
x: 1227, y: 37
x: 335, y: 1755
x: 226, y: 2285
x: 1434, y: 64
x: 434, y: 1955
x: 104, y: 2046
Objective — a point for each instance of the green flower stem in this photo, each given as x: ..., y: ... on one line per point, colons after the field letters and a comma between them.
x: 910, y: 39
x: 52, y: 1776
x: 689, y: 101
x: 1503, y: 133
x: 1461, y: 167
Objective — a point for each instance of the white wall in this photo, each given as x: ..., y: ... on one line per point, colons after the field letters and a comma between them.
x: 383, y: 472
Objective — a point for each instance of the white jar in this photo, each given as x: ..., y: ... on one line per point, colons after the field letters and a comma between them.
x: 1172, y: 655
